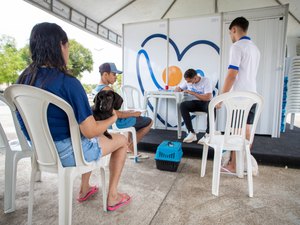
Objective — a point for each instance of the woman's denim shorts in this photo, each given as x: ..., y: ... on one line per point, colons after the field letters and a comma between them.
x: 90, y: 147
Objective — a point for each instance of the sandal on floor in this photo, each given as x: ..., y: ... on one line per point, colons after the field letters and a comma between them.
x: 226, y: 171
x: 124, y: 201
x: 93, y: 190
x: 139, y: 156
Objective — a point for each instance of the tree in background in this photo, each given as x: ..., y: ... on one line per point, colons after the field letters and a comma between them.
x: 80, y: 59
x: 25, y: 54
x: 11, y: 61
x: 89, y: 87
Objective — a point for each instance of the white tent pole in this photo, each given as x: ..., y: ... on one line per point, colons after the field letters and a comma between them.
x: 167, y: 68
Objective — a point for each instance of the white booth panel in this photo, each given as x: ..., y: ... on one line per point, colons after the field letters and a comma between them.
x: 199, y: 47
x: 151, y: 47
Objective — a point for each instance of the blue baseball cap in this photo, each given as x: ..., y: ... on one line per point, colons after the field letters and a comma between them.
x: 109, y: 68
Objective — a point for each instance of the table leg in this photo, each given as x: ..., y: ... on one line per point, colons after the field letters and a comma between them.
x: 155, y: 112
x: 166, y: 121
x: 178, y: 120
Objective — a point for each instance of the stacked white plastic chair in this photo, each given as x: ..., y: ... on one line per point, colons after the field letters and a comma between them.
x: 32, y: 103
x: 293, y: 94
x: 237, y: 105
x: 14, y: 151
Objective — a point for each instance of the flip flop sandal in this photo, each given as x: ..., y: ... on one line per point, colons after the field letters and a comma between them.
x: 226, y: 171
x: 124, y: 201
x: 143, y: 156
x: 93, y: 190
x: 139, y: 156
x: 133, y: 156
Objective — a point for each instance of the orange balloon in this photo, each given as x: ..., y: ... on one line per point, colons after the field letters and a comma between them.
x: 175, y: 75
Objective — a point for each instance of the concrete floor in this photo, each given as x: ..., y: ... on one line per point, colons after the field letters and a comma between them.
x: 160, y: 197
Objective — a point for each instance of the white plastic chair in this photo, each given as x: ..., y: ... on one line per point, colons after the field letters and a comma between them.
x: 32, y: 104
x: 237, y: 105
x: 14, y: 151
x: 133, y: 136
x: 202, y: 115
x: 129, y: 93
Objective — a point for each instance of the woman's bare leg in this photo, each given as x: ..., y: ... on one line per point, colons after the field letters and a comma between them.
x: 117, y: 146
x: 85, y: 184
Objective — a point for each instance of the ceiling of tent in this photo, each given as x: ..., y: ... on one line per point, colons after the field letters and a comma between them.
x: 106, y: 17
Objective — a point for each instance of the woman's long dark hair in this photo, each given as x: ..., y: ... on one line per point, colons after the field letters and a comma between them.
x: 45, y: 47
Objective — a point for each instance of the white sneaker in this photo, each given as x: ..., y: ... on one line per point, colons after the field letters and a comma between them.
x: 203, y: 139
x: 206, y: 136
x: 190, y: 138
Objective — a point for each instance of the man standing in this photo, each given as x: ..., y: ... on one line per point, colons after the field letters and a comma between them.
x: 199, y: 91
x: 243, y: 65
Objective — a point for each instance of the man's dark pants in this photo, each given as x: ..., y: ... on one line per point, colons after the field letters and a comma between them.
x: 193, y: 106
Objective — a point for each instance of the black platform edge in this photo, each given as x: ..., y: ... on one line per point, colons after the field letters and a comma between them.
x: 280, y: 152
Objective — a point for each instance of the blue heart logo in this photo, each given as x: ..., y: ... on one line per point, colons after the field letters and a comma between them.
x: 179, y: 58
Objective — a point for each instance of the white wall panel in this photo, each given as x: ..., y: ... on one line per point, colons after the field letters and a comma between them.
x: 150, y: 48
x: 147, y: 53
x: 199, y: 47
x: 145, y: 56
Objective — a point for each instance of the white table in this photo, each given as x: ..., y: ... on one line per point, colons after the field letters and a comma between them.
x: 177, y: 96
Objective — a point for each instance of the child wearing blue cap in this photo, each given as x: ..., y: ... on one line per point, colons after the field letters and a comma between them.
x: 108, y: 72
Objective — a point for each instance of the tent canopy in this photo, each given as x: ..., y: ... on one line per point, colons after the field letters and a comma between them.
x: 105, y: 17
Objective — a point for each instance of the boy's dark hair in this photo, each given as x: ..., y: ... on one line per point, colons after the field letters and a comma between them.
x: 190, y: 73
x: 240, y: 22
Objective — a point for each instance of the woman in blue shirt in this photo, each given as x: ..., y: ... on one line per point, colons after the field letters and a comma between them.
x: 50, y: 54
